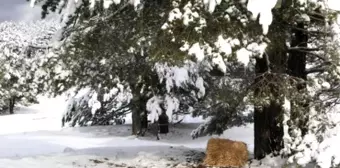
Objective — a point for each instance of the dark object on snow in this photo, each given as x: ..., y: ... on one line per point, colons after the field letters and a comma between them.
x: 163, y: 123
x: 119, y: 121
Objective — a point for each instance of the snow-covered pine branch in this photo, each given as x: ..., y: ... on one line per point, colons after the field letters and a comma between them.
x: 88, y: 107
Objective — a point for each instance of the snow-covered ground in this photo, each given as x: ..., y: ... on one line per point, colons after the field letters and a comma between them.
x: 33, y: 138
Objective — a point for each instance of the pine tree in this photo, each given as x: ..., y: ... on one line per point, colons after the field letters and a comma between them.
x: 22, y: 46
x: 101, y: 57
x: 213, y: 33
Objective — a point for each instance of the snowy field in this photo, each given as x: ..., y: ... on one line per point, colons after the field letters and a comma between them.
x: 33, y: 138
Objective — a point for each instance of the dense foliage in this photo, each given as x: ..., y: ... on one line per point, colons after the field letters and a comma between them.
x: 23, y: 47
x: 182, y: 56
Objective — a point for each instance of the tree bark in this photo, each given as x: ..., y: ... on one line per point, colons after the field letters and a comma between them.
x: 297, y: 68
x: 268, y: 130
x: 11, y: 105
x: 145, y: 120
x: 297, y: 59
x: 139, y: 115
x: 136, y: 121
x: 268, y: 126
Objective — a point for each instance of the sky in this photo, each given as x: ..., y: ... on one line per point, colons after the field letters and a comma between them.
x: 18, y: 10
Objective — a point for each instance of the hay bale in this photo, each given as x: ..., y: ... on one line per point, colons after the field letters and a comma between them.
x: 226, y: 153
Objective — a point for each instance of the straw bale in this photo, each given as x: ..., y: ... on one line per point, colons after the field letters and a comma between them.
x: 226, y: 153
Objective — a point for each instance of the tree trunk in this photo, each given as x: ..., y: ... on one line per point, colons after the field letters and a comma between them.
x: 144, y: 116
x: 11, y: 105
x: 145, y: 120
x: 268, y: 126
x: 136, y: 121
x: 297, y: 59
x: 297, y: 68
x: 139, y: 115
x: 268, y: 129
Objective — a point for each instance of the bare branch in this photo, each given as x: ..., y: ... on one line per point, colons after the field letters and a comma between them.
x: 311, y: 32
x: 40, y: 47
x: 316, y: 55
x: 315, y: 70
x: 303, y: 49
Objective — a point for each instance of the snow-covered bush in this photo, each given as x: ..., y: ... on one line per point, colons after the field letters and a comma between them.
x: 88, y: 107
x: 183, y: 87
